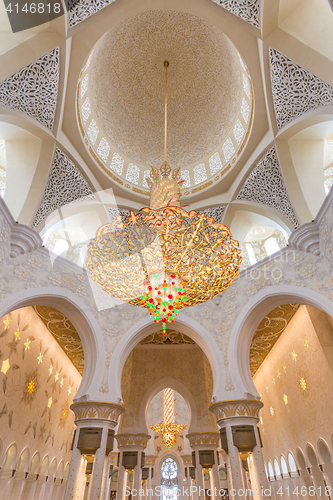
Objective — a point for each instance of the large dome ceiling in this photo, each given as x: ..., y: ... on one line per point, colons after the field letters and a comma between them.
x: 128, y: 81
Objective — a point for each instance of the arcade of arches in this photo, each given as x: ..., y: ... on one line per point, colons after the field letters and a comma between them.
x: 84, y: 376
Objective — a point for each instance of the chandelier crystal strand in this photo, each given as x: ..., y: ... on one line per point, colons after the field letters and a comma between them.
x: 168, y: 428
x: 164, y: 258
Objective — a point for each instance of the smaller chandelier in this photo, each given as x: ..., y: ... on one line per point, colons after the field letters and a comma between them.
x: 168, y: 428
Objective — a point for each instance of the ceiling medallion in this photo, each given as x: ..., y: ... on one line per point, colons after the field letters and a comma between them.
x: 163, y: 257
x: 169, y: 428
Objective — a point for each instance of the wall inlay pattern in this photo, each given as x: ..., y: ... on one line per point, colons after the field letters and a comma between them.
x: 84, y: 9
x: 171, y: 337
x: 265, y: 185
x: 34, y: 89
x: 65, y: 334
x: 268, y: 332
x: 64, y: 185
x: 215, y: 212
x: 247, y: 10
x: 295, y: 90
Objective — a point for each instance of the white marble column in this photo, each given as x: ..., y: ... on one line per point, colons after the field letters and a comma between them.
x: 101, y: 415
x: 136, y: 443
x: 239, y: 412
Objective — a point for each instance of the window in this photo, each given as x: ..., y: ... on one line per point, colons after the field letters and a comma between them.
x: 84, y: 86
x: 239, y: 132
x: 215, y: 163
x: 92, y: 132
x: 117, y: 163
x: 3, y: 164
x: 103, y: 149
x: 185, y: 175
x: 228, y: 149
x: 270, y: 471
x: 85, y: 110
x: 200, y: 173
x: 277, y: 469
x: 250, y: 253
x: 169, y: 472
x: 285, y: 472
x: 146, y: 174
x: 292, y: 464
x: 271, y: 246
x: 132, y: 173
x: 245, y: 110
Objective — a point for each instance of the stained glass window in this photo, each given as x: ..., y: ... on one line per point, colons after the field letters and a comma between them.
x: 239, y: 131
x: 103, y: 149
x: 169, y: 469
x: 215, y: 163
x: 246, y: 86
x: 85, y: 110
x: 146, y: 174
x: 245, y: 110
x: 200, y: 173
x: 185, y: 174
x: 84, y: 86
x: 228, y: 149
x: 117, y: 164
x: 92, y: 131
x: 132, y: 173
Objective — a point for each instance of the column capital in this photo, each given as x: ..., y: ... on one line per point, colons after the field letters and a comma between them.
x: 97, y: 410
x: 150, y: 459
x: 232, y: 408
x: 187, y: 459
x: 134, y: 439
x: 203, y: 438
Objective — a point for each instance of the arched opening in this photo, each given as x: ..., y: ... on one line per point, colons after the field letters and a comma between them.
x: 185, y: 326
x: 289, y: 345
x: 324, y: 452
x: 169, y: 481
x: 168, y: 361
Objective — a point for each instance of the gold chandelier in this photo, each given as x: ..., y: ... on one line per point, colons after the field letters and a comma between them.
x: 164, y: 258
x: 168, y: 428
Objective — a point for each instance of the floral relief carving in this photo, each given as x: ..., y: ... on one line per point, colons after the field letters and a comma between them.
x: 196, y: 438
x: 265, y: 185
x: 295, y: 90
x: 247, y: 10
x: 97, y: 410
x: 34, y: 89
x: 64, y: 185
x: 236, y: 408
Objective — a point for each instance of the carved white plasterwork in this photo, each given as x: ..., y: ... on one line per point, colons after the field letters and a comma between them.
x: 265, y: 185
x: 295, y: 90
x: 127, y: 78
x: 248, y: 10
x: 64, y: 185
x: 84, y: 9
x: 34, y: 89
x: 215, y: 212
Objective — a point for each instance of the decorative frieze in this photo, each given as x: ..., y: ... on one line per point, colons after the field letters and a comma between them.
x: 87, y: 410
x: 265, y: 185
x: 64, y: 185
x: 295, y: 90
x: 34, y: 89
x: 236, y: 408
x: 135, y: 439
x: 197, y: 438
x: 247, y: 10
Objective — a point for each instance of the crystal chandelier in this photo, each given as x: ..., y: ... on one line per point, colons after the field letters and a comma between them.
x: 164, y: 258
x: 168, y: 428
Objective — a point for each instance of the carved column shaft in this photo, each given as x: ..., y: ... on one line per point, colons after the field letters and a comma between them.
x: 135, y: 443
x: 238, y: 419
x: 94, y: 420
